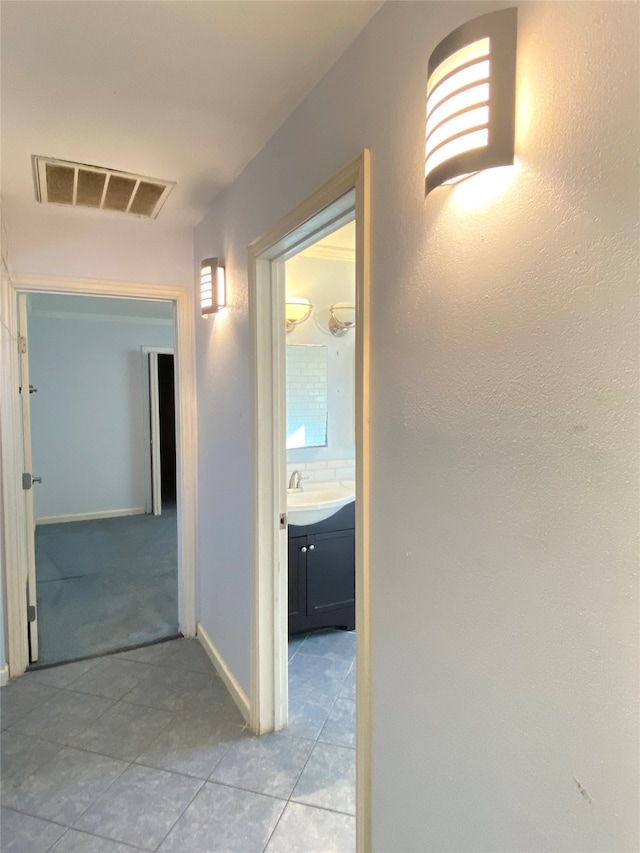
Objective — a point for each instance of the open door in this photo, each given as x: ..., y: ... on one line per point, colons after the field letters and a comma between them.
x: 28, y: 480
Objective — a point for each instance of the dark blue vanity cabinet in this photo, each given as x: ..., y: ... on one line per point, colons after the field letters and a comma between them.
x: 322, y: 559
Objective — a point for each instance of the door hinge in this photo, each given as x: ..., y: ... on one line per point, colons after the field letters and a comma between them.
x: 22, y: 344
x: 31, y: 613
x: 283, y: 521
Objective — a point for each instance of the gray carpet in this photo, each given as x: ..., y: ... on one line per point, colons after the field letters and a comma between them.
x: 105, y: 585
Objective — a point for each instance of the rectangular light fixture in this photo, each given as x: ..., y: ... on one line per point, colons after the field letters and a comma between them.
x: 213, y: 288
x: 471, y: 99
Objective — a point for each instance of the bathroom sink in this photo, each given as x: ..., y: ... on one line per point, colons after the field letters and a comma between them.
x: 310, y: 505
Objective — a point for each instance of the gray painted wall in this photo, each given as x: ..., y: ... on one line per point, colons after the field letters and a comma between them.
x: 88, y: 415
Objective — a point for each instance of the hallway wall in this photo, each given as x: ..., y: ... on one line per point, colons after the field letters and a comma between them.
x: 504, y: 432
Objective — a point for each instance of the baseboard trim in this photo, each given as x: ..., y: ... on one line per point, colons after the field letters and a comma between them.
x: 239, y: 696
x: 91, y: 516
x: 4, y: 675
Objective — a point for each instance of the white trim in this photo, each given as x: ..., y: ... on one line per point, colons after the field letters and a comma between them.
x: 269, y: 602
x: 11, y: 450
x: 237, y: 693
x: 27, y: 467
x: 4, y: 676
x: 90, y: 516
x: 15, y: 560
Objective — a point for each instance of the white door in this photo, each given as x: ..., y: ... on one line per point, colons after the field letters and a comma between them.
x: 28, y: 479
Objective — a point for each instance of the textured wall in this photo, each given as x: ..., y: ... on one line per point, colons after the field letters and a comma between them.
x: 504, y: 433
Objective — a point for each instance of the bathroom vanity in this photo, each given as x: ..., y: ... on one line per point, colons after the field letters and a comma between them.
x: 322, y: 573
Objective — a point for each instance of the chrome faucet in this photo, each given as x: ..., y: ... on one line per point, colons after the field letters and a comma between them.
x: 295, y: 480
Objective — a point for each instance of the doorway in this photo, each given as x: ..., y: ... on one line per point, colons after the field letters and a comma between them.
x: 167, y: 418
x: 160, y: 448
x: 16, y: 525
x: 320, y: 449
x: 334, y: 204
x: 105, y: 572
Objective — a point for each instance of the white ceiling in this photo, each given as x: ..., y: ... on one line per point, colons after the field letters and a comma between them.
x: 179, y: 90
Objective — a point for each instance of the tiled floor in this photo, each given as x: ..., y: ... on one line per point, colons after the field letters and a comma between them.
x: 106, y: 584
x: 145, y: 750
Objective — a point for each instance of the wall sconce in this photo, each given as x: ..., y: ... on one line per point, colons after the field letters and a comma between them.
x: 471, y: 99
x: 343, y: 318
x: 213, y: 287
x: 297, y: 310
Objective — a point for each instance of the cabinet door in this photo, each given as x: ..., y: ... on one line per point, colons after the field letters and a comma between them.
x: 330, y: 571
x: 297, y: 563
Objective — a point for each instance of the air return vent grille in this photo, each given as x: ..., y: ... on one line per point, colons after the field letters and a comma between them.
x: 79, y: 185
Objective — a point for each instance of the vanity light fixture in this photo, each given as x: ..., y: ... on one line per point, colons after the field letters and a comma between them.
x: 298, y: 309
x: 471, y: 99
x: 213, y: 287
x: 343, y: 318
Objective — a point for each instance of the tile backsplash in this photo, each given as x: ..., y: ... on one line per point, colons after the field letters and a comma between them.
x: 326, y: 471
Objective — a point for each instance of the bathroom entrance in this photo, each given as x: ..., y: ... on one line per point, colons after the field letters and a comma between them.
x: 310, y: 349
x: 321, y: 330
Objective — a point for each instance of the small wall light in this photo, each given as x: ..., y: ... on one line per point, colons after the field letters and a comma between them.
x: 343, y: 318
x: 298, y: 309
x: 471, y: 99
x: 213, y: 287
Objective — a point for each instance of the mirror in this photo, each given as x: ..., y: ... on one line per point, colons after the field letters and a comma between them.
x: 306, y: 396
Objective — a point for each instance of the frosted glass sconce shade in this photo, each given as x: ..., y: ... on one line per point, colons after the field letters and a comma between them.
x: 471, y: 99
x: 342, y: 318
x: 298, y: 309
x: 213, y: 288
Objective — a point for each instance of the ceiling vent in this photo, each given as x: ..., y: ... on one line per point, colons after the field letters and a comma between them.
x: 79, y: 185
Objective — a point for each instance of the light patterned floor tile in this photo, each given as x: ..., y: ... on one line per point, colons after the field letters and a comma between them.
x: 140, y: 807
x: 123, y: 731
x: 224, y: 820
x: 304, y: 829
x: 192, y: 746
x: 24, y: 834
x: 270, y: 764
x: 65, y: 786
x: 328, y: 780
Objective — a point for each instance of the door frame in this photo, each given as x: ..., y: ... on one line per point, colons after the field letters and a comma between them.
x: 13, y: 509
x: 30, y: 521
x: 269, y: 661
x: 152, y: 456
